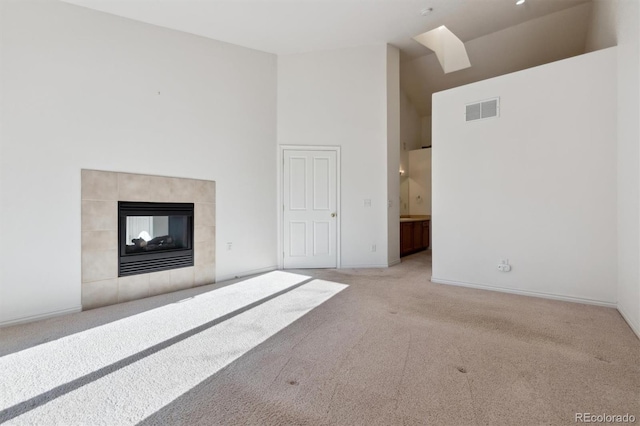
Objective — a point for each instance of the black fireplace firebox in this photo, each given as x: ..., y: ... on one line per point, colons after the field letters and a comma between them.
x: 154, y: 237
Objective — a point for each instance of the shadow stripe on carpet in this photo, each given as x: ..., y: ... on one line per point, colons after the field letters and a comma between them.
x: 36, y: 401
x: 35, y: 371
x: 135, y: 391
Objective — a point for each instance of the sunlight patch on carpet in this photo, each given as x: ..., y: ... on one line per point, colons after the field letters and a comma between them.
x: 131, y: 394
x: 34, y: 371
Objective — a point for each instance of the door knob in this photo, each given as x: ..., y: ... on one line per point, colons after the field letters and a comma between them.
x: 333, y: 215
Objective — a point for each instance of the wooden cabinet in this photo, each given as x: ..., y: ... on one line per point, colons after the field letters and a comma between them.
x: 425, y: 234
x: 406, y: 238
x: 414, y: 236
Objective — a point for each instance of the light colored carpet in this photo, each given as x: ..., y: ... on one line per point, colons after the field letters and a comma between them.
x: 395, y: 349
x: 78, y: 380
x: 83, y: 353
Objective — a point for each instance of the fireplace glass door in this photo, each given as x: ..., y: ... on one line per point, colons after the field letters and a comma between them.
x: 154, y: 236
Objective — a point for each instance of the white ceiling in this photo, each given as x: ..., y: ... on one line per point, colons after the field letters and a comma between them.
x: 295, y: 26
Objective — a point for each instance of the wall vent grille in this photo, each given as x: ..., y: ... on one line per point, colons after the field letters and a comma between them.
x: 489, y: 108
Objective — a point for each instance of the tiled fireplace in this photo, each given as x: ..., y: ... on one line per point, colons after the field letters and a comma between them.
x: 101, y: 192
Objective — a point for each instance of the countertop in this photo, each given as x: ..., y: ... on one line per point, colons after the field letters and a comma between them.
x: 414, y: 218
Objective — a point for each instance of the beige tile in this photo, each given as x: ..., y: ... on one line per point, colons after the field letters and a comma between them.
x: 160, y: 283
x: 99, y: 240
x: 99, y: 293
x: 181, y: 190
x: 99, y: 215
x: 205, y: 214
x: 99, y: 265
x: 159, y: 189
x: 205, y: 274
x: 204, y: 252
x: 99, y: 185
x: 133, y: 287
x: 182, y: 278
x: 132, y: 187
x: 204, y: 233
x: 205, y: 191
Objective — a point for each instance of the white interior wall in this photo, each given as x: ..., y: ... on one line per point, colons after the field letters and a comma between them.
x: 410, y: 134
x: 84, y: 89
x: 602, y: 30
x: 628, y: 129
x: 426, y: 131
x: 615, y: 21
x: 535, y: 186
x: 393, y: 155
x: 420, y: 182
x: 339, y: 97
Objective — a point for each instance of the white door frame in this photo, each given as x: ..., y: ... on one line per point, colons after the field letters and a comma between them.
x: 281, y: 150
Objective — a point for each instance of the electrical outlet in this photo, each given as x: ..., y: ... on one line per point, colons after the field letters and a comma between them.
x: 229, y: 246
x: 367, y: 202
x: 504, y: 266
x: 373, y: 247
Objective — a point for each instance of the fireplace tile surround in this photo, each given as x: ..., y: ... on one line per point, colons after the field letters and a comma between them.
x: 101, y: 191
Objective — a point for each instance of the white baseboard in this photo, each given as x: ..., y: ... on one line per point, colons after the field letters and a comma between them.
x: 363, y: 266
x: 632, y: 324
x: 32, y: 318
x: 395, y: 262
x: 526, y: 293
x: 245, y: 273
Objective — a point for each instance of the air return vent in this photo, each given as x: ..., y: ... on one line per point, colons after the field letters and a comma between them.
x: 484, y: 109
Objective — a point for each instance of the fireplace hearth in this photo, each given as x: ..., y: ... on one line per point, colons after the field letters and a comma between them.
x: 154, y: 237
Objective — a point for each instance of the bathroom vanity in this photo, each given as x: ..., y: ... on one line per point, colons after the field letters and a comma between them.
x: 414, y: 233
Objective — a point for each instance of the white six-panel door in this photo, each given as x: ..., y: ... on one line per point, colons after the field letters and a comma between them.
x: 309, y: 209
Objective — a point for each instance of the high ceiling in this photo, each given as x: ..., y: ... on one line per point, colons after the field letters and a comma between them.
x: 535, y: 42
x: 295, y: 26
